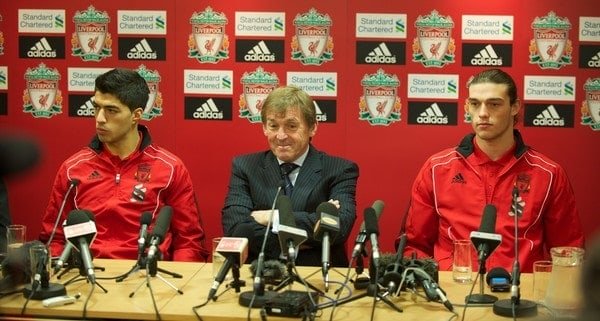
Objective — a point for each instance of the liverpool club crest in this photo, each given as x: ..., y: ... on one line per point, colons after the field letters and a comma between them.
x: 41, y: 96
x: 208, y: 42
x: 434, y: 45
x: 256, y: 87
x: 380, y: 104
x: 91, y: 40
x: 550, y: 48
x: 312, y: 44
x: 153, y: 106
x: 1, y: 40
x: 590, y: 109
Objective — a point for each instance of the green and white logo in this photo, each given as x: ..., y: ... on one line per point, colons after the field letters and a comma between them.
x: 590, y: 109
x: 208, y: 42
x: 434, y: 45
x: 42, y: 98
x: 380, y: 104
x: 91, y: 40
x: 550, y: 47
x: 312, y: 44
x: 257, y: 86
x: 153, y: 106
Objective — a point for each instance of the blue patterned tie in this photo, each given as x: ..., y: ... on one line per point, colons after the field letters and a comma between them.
x: 286, y: 169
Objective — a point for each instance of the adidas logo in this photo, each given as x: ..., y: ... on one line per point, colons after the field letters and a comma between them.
x: 94, y: 175
x: 432, y: 115
x: 208, y: 110
x: 260, y: 52
x: 595, y: 61
x: 41, y: 49
x: 380, y: 55
x: 549, y: 117
x: 320, y: 115
x: 459, y: 179
x: 142, y: 50
x: 487, y: 57
x: 86, y: 109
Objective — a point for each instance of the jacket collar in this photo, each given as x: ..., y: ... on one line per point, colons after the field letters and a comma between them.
x: 465, y: 148
x: 97, y: 145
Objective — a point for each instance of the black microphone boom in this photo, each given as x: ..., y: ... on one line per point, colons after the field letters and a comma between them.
x: 290, y: 237
x: 325, y: 231
x: 486, y: 240
x: 80, y: 231
x: 163, y: 221
x: 359, y: 244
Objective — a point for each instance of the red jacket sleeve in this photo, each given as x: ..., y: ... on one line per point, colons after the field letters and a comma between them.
x: 49, y: 219
x: 186, y: 228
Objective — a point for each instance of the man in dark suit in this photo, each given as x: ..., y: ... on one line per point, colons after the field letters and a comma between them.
x: 289, y: 123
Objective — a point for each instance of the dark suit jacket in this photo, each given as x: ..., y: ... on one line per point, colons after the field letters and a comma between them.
x: 253, y: 185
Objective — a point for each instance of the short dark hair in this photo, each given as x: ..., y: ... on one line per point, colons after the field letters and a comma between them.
x: 496, y: 76
x: 125, y: 84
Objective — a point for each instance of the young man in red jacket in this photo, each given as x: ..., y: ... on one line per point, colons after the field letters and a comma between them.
x: 122, y: 174
x: 487, y: 167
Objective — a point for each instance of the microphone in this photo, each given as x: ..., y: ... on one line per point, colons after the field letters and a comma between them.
x: 359, y: 244
x: 393, y: 272
x: 145, y: 220
x: 64, y: 256
x: 486, y: 240
x: 66, y: 253
x: 290, y: 237
x: 325, y: 231
x: 235, y: 251
x: 257, y: 297
x: 515, y: 307
x: 163, y: 221
x: 373, y: 232
x: 432, y: 289
x: 80, y: 231
x: 72, y: 184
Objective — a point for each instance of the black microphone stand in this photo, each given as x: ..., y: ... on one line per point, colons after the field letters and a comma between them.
x: 75, y: 262
x: 292, y: 276
x: 373, y: 290
x: 151, y: 264
x: 481, y: 297
x: 515, y: 307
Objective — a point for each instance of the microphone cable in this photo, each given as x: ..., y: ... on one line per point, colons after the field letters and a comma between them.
x: 470, y: 293
x: 339, y: 291
x: 261, y: 255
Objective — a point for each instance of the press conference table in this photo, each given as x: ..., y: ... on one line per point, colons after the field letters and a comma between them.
x: 196, y: 281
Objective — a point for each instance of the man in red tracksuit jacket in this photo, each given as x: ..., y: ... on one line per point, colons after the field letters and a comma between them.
x: 454, y: 185
x: 122, y: 174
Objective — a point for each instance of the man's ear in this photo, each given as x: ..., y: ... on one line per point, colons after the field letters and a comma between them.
x: 137, y: 114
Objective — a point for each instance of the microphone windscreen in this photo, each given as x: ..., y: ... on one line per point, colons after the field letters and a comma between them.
x: 146, y: 218
x: 488, y: 221
x: 378, y: 206
x: 371, y: 221
x: 273, y: 271
x: 328, y: 208
x: 286, y: 214
x: 163, y: 221
x: 79, y: 216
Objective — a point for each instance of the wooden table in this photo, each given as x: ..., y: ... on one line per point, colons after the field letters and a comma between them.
x: 195, y: 284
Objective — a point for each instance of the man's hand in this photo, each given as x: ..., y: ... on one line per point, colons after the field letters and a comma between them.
x: 261, y: 217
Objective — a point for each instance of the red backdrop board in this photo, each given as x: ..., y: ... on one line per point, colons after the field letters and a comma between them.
x: 203, y: 92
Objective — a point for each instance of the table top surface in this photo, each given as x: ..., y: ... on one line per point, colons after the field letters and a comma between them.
x: 119, y: 303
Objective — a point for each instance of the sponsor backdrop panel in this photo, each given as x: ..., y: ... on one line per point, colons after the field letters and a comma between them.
x: 388, y: 81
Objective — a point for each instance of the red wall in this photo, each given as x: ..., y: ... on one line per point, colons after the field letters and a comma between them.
x: 388, y: 156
